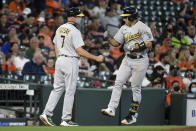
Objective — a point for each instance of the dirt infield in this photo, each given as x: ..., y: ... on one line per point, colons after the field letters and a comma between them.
x: 182, y: 129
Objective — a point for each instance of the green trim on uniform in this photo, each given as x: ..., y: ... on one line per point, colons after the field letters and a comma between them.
x: 132, y: 110
x: 50, y: 120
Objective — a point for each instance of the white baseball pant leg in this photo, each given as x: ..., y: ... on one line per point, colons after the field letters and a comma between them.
x: 65, y: 78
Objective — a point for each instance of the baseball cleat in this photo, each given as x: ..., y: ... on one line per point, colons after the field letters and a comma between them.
x: 68, y: 123
x: 129, y: 119
x: 46, y: 120
x: 108, y: 112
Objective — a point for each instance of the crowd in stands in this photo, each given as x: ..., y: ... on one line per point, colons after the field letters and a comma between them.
x: 27, y: 29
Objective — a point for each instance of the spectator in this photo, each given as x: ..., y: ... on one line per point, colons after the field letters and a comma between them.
x: 35, y: 66
x: 172, y: 56
x: 157, y: 77
x: 108, y: 63
x: 90, y: 4
x: 53, y: 6
x: 3, y: 29
x: 4, y: 9
x: 179, y: 39
x: 164, y: 62
x: 58, y: 21
x: 2, y: 58
x: 174, y: 90
x: 94, y: 66
x: 99, y: 29
x: 12, y: 20
x: 100, y: 9
x: 191, y: 36
x: 29, y: 21
x: 90, y: 36
x: 6, y: 47
x: 97, y: 25
x: 49, y: 67
x: 194, y: 60
x: 40, y: 21
x: 117, y: 54
x: 8, y: 65
x: 166, y: 45
x: 184, y: 60
x: 157, y: 51
x: 47, y: 40
x: 110, y: 21
x: 33, y: 48
x: 173, y: 76
x: 188, y: 77
x: 17, y: 6
x: 192, y: 49
x: 115, y: 6
x: 186, y: 11
x: 154, y: 30
x: 147, y: 82
x: 41, y: 42
x: 26, y: 12
x: 52, y: 54
x: 14, y: 50
x: 192, y: 87
x: 25, y: 35
x: 151, y: 57
x: 168, y: 30
x: 84, y: 67
x: 180, y: 24
x: 51, y: 27
x: 20, y: 60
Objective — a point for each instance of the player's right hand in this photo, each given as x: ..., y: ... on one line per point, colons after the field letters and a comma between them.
x: 100, y: 58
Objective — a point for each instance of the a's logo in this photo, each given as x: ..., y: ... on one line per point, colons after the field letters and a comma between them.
x: 128, y: 37
x: 193, y: 113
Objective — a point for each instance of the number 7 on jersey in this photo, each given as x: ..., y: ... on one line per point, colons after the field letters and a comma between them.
x: 63, y: 37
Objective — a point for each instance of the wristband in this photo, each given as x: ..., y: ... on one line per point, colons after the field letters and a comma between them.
x: 142, y: 46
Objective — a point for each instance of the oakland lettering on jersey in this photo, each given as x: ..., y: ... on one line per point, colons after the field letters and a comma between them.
x: 128, y: 37
x: 64, y: 30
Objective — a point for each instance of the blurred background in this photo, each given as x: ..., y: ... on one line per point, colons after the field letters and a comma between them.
x: 27, y: 56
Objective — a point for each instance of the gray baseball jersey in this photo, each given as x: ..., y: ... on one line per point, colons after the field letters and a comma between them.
x: 135, y: 34
x: 134, y: 67
x: 67, y: 39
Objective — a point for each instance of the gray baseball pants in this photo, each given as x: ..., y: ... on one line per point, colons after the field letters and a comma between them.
x: 136, y: 68
x: 65, y: 79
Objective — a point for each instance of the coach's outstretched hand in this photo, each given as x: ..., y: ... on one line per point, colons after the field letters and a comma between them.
x: 100, y: 58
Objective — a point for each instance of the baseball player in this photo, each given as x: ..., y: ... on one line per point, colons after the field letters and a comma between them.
x: 136, y: 37
x: 68, y: 47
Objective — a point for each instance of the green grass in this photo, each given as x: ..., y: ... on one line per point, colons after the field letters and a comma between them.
x: 90, y: 128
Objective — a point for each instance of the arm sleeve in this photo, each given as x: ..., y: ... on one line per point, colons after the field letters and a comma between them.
x: 147, y: 34
x: 77, y: 40
x: 119, y: 36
